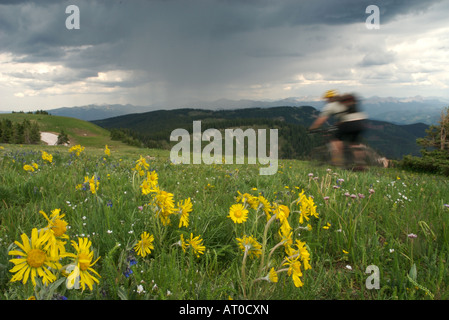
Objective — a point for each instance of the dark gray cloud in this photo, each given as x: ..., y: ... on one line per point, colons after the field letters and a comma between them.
x: 194, y: 47
x: 30, y: 24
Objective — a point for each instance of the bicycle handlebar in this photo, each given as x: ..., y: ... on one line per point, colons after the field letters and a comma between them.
x: 329, y: 129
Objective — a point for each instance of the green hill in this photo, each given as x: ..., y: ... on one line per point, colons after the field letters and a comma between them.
x: 154, y: 128
x: 78, y: 131
x: 161, y: 120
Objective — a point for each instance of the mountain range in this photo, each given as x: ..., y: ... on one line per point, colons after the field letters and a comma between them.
x: 395, y: 110
x: 394, y: 123
x: 153, y: 128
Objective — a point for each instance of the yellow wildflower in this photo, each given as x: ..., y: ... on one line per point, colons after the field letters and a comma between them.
x: 150, y: 183
x: 145, y: 245
x: 265, y: 205
x: 307, y: 207
x: 77, y: 149
x: 33, y: 260
x: 327, y: 226
x: 249, y: 199
x: 281, y: 211
x: 165, y: 205
x: 196, y: 243
x: 183, y: 243
x: 93, y: 183
x: 287, y: 237
x: 185, y: 207
x: 273, y: 276
x: 304, y: 254
x: 28, y: 168
x: 294, y: 270
x: 47, y: 156
x: 57, y: 227
x: 250, y: 245
x: 81, y: 271
x: 141, y: 166
x: 238, y: 213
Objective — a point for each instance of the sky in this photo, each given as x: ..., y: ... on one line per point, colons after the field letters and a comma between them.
x: 169, y: 52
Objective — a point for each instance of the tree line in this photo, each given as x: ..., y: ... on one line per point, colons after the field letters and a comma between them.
x: 35, y: 112
x: 435, y: 152
x: 26, y: 132
x: 294, y: 140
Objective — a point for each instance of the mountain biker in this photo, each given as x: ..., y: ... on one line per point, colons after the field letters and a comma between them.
x: 349, y: 123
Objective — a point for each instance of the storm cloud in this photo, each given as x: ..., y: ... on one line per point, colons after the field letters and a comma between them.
x: 144, y: 52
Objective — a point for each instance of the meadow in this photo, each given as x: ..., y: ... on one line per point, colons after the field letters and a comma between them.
x: 89, y: 224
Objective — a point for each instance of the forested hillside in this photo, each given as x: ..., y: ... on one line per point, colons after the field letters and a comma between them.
x: 153, y: 129
x: 25, y: 132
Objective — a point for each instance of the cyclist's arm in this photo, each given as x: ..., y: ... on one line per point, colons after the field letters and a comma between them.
x: 318, y: 122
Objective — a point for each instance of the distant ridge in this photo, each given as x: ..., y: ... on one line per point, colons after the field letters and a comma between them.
x: 395, y: 110
x: 97, y: 112
x: 391, y: 140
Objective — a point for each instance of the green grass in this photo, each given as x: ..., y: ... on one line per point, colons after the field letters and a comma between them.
x: 79, y: 131
x: 370, y: 230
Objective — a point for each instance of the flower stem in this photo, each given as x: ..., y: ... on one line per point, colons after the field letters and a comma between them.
x: 275, y: 247
x: 264, y: 242
x: 243, y: 272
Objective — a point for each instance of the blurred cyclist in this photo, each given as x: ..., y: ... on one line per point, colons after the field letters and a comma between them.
x: 349, y: 122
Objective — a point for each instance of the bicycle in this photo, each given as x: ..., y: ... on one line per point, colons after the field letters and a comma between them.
x: 351, y: 160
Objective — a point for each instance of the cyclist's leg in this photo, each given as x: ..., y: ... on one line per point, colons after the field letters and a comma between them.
x: 337, y: 152
x: 359, y: 150
x: 350, y: 135
x: 337, y: 148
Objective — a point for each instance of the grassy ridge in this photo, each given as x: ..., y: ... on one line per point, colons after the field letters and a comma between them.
x: 78, y: 131
x: 365, y: 219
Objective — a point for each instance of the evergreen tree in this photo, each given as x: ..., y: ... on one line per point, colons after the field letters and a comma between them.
x: 62, y: 138
x: 26, y: 132
x: 26, y: 125
x: 437, y: 135
x: 34, y: 134
x: 6, y: 131
x: 18, y: 133
x: 435, y: 160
